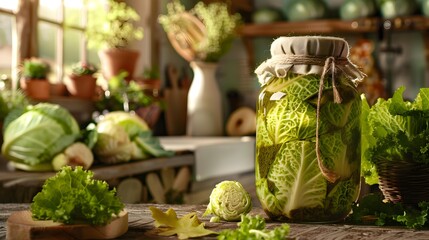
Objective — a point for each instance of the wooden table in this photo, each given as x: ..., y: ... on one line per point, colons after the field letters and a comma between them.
x: 141, y: 225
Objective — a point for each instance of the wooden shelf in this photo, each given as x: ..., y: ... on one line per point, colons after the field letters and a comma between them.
x: 103, y: 172
x: 334, y: 26
x: 331, y: 27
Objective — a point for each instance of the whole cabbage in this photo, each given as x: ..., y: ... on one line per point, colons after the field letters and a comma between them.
x: 228, y: 201
x: 124, y: 136
x: 34, y: 135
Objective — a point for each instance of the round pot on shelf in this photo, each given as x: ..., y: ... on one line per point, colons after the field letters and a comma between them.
x: 116, y: 60
x: 38, y: 89
x: 83, y: 86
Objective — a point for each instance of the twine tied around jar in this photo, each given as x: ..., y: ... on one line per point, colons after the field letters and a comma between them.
x: 329, y: 65
x: 279, y: 66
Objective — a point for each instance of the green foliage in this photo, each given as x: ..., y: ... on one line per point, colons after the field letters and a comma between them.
x: 122, y: 94
x: 151, y: 73
x: 220, y: 27
x: 371, y: 209
x: 112, y: 26
x: 10, y: 100
x: 80, y: 69
x: 289, y: 181
x: 36, y: 134
x: 253, y: 227
x: 228, y: 201
x: 35, y: 69
x: 395, y: 130
x: 73, y: 196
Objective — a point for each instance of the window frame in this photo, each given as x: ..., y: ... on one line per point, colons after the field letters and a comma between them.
x: 60, y: 42
x: 14, y: 61
x: 27, y: 47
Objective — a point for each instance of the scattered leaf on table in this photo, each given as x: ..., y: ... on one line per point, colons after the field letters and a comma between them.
x: 185, y: 227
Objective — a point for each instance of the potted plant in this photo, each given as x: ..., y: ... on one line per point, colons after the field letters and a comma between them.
x: 111, y: 30
x: 34, y: 78
x: 395, y: 147
x: 122, y: 95
x: 82, y: 82
x: 202, y: 36
x: 150, y: 81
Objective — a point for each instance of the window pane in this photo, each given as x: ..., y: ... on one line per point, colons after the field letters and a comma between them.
x: 6, y: 44
x: 51, y: 10
x: 73, y: 13
x: 93, y: 57
x: 11, y: 5
x: 72, y: 47
x: 47, y: 43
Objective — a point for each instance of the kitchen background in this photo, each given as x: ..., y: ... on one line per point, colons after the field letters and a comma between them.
x: 394, y: 58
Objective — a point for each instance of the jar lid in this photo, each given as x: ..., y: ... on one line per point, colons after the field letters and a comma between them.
x: 306, y: 55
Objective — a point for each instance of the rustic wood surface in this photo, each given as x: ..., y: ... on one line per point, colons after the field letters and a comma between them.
x: 103, y: 172
x: 141, y: 225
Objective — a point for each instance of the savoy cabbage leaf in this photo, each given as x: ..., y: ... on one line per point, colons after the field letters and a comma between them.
x: 293, y: 119
x: 297, y: 177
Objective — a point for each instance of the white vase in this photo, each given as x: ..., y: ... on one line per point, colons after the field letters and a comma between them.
x: 204, y: 102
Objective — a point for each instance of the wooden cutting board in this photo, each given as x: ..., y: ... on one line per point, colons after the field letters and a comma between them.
x: 21, y: 226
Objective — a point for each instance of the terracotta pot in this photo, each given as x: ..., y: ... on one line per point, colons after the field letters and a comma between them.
x: 38, y: 89
x: 114, y: 61
x: 82, y: 86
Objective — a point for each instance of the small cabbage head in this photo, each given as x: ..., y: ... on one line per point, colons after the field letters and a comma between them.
x: 228, y: 201
x: 113, y: 144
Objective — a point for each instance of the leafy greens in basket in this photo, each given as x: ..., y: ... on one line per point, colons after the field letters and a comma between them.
x: 394, y: 130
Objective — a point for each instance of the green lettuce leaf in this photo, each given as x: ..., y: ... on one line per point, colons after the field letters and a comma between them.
x: 395, y: 130
x: 73, y: 196
x: 151, y: 145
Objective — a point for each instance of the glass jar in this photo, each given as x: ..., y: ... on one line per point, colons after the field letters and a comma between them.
x: 308, y: 130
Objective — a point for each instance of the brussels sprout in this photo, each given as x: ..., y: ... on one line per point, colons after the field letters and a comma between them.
x: 228, y: 201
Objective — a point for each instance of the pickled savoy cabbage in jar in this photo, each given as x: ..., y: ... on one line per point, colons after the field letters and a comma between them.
x: 308, y: 130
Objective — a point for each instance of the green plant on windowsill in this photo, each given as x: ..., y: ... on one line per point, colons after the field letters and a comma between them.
x: 123, y: 95
x: 82, y: 69
x: 34, y: 78
x: 112, y: 26
x: 35, y: 68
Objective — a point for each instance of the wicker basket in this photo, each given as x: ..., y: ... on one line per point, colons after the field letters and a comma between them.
x: 405, y: 182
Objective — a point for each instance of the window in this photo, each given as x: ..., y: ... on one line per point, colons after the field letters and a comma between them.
x: 7, y: 19
x: 54, y: 30
x: 61, y: 38
x: 58, y: 31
